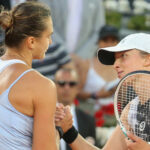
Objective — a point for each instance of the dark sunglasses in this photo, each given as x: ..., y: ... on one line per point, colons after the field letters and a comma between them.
x: 63, y: 83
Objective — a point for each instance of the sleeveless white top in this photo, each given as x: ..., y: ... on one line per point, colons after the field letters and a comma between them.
x: 15, y: 127
x: 95, y: 83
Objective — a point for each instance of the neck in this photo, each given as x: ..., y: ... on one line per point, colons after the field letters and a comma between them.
x: 13, y: 54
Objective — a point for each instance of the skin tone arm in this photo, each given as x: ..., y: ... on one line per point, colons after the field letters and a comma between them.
x: 61, y: 119
x: 115, y: 142
x: 65, y: 123
x: 80, y: 143
x: 103, y: 93
x: 44, y: 103
x: 100, y: 94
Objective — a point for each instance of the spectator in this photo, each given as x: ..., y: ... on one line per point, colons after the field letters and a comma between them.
x: 67, y: 89
x: 98, y: 80
x: 76, y: 23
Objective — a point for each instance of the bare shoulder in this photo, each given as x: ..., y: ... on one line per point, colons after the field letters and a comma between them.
x: 39, y: 86
x: 41, y: 83
x: 38, y: 78
x: 44, y: 94
x: 33, y: 77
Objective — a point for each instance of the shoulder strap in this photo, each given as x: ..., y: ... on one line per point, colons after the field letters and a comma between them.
x: 5, y: 64
x: 20, y: 77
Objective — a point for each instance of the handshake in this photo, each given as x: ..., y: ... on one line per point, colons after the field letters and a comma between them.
x: 64, y: 123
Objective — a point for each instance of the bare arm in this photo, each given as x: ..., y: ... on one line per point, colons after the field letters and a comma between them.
x: 116, y: 141
x: 44, y: 103
x: 100, y: 94
x: 81, y: 144
x: 103, y: 93
x: 63, y: 120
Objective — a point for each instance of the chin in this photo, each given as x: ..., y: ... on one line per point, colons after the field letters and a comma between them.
x: 39, y: 57
x: 66, y: 103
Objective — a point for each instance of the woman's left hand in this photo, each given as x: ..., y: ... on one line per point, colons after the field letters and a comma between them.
x: 63, y: 117
x: 136, y: 143
x: 59, y: 114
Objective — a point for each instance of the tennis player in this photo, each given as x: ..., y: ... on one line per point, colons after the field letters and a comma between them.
x: 27, y: 99
x: 130, y: 54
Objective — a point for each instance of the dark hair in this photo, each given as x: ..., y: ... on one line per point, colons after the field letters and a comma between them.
x: 26, y: 19
x: 108, y: 30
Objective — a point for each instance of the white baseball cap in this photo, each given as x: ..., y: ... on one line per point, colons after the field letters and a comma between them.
x: 139, y: 41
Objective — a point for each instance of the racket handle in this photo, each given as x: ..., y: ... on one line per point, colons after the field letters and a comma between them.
x: 123, y: 129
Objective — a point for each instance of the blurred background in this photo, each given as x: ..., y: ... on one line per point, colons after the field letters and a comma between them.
x: 80, y: 28
x: 128, y: 15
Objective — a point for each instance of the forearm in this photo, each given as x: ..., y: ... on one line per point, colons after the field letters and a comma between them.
x: 57, y: 140
x: 81, y: 144
x: 116, y: 141
x: 84, y: 95
x: 104, y: 93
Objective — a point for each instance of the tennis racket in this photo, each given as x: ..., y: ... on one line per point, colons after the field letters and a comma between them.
x: 132, y: 104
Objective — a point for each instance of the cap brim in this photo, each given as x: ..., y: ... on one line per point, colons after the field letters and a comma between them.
x: 106, y: 55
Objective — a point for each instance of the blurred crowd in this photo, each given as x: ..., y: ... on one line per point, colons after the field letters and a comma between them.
x: 71, y: 61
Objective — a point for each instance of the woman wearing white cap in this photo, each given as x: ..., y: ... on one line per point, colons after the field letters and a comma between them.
x: 130, y: 54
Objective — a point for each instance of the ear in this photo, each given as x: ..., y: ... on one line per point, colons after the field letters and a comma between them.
x: 30, y: 41
x: 147, y: 61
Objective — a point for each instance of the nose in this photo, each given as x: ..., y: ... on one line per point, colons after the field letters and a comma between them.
x: 116, y: 64
x: 66, y: 87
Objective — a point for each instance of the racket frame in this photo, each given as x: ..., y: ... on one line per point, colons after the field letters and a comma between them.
x: 116, y: 96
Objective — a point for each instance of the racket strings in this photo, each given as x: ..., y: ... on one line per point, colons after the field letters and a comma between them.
x: 133, y: 105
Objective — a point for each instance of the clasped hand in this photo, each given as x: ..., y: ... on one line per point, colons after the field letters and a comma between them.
x: 63, y: 117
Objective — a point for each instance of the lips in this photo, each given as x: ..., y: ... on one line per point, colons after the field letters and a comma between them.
x: 119, y: 74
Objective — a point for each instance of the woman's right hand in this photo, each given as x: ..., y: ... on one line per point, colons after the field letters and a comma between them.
x: 63, y: 117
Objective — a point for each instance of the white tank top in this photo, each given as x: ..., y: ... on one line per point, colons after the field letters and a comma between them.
x: 95, y: 83
x: 15, y: 127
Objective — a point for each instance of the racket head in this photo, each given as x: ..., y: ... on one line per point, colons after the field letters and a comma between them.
x: 132, y: 104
